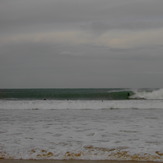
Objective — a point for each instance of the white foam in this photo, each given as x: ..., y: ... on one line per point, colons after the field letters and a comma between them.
x: 80, y: 104
x: 81, y: 129
x: 81, y: 134
x: 155, y: 94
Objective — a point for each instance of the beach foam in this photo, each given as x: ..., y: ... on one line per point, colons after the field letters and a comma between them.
x: 80, y: 104
x: 94, y: 134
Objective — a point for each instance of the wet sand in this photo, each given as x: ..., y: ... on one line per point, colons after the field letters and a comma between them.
x: 73, y: 161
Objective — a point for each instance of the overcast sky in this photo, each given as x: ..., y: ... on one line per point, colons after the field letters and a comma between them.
x: 81, y: 43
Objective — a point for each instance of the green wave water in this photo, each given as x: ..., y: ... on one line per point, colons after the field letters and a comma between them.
x: 66, y: 94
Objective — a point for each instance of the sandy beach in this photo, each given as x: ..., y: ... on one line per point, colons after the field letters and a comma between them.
x: 73, y: 161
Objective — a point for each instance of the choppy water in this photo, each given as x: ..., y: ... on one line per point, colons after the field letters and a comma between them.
x: 83, y: 129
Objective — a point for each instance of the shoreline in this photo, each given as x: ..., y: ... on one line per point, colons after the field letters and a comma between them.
x: 74, y: 161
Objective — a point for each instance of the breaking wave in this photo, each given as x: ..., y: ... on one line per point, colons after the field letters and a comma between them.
x: 148, y: 94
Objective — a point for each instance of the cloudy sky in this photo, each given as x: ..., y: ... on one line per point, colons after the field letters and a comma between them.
x: 81, y: 43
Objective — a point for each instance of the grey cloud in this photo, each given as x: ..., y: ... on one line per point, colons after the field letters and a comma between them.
x: 99, y: 27
x: 112, y: 14
x: 26, y: 63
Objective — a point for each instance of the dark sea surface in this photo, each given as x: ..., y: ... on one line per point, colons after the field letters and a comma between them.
x: 66, y: 94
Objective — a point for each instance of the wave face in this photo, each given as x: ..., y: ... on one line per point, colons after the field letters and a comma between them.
x: 155, y: 94
x: 65, y: 94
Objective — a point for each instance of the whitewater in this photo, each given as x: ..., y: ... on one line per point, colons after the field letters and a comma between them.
x: 83, y: 129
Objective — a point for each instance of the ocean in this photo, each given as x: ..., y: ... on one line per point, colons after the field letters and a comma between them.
x: 82, y: 124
